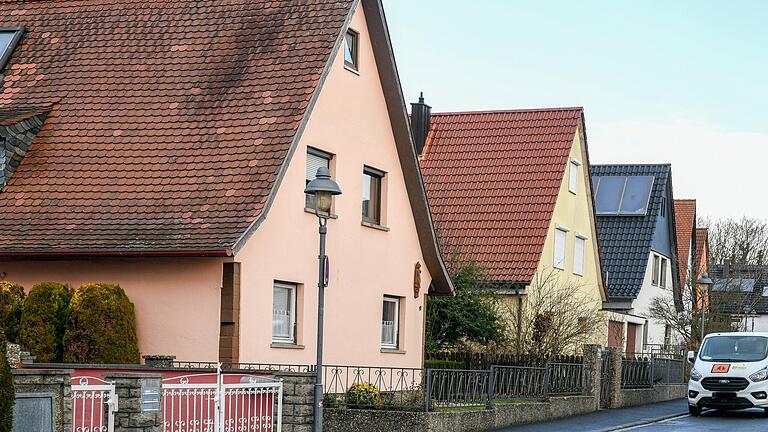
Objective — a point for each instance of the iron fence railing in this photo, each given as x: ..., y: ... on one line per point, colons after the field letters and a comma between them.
x: 398, y: 388
x: 518, y: 382
x: 646, y: 371
x: 566, y: 379
x: 449, y: 388
x: 480, y: 360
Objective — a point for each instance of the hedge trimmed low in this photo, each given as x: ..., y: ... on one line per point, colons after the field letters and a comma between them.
x: 11, y: 299
x: 7, y: 393
x: 44, y: 321
x: 102, y: 326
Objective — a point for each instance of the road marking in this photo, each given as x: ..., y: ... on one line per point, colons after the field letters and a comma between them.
x: 651, y: 423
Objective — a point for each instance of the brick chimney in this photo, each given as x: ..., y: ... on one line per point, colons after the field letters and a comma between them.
x: 421, y: 116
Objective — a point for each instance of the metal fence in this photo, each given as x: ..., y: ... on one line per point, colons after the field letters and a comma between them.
x: 566, y: 379
x: 646, y: 371
x: 480, y: 361
x: 398, y: 388
x: 448, y: 388
x: 517, y: 382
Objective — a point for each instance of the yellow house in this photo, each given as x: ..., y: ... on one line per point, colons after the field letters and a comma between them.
x: 511, y: 191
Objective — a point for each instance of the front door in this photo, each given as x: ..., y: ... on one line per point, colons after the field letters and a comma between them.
x: 632, y: 337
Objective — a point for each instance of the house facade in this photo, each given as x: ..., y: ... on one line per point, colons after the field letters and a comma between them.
x: 510, y: 191
x: 636, y: 217
x: 180, y: 176
x: 741, y: 291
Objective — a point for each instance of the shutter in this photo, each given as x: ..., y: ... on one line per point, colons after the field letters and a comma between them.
x: 559, y: 249
x: 578, y: 256
x: 574, y: 177
x: 313, y: 163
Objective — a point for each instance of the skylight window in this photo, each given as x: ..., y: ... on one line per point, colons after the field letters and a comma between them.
x: 622, y: 195
x: 9, y: 38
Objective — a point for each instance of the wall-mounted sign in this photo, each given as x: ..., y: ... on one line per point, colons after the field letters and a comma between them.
x: 150, y: 394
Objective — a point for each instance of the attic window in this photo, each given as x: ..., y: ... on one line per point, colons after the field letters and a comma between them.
x: 622, y: 195
x: 350, y: 50
x: 9, y: 38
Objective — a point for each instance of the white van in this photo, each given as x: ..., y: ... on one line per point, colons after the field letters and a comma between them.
x: 729, y: 373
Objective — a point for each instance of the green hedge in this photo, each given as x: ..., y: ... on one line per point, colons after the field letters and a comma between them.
x: 11, y: 299
x: 7, y: 394
x: 443, y: 364
x: 102, y: 326
x: 44, y: 321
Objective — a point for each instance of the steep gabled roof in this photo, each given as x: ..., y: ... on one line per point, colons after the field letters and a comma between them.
x: 493, y: 178
x: 702, y: 249
x: 626, y: 240
x: 169, y: 122
x: 685, y: 225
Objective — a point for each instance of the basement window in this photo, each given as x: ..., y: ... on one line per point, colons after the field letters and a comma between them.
x: 9, y: 38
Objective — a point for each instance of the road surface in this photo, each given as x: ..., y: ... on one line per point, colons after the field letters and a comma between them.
x: 734, y: 421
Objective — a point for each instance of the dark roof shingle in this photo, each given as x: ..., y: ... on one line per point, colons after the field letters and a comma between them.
x: 168, y: 122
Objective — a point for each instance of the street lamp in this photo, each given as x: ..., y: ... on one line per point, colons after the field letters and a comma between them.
x: 323, y: 188
x: 705, y: 282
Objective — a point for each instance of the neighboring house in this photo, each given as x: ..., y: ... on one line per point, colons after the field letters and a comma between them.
x: 165, y: 146
x: 511, y: 191
x: 685, y: 230
x: 636, y: 217
x: 742, y: 291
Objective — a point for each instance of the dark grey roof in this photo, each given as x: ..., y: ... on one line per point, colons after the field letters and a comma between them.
x: 626, y: 240
x: 744, y: 276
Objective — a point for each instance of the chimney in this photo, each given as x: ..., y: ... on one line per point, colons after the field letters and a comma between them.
x: 421, y: 115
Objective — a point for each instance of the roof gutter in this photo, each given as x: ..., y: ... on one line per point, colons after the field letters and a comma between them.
x: 119, y: 253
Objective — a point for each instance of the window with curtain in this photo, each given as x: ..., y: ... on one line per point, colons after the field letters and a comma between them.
x: 390, y: 322
x: 578, y: 255
x: 315, y: 159
x: 559, y: 261
x: 284, y: 312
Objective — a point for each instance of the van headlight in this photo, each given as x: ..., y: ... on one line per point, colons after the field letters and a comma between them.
x: 696, y: 376
x: 760, y: 375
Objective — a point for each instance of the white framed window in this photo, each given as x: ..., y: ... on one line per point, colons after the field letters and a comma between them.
x: 351, y: 49
x: 372, y: 196
x: 390, y: 323
x: 578, y: 255
x: 284, y: 312
x: 315, y: 159
x: 560, y: 236
x: 573, y: 176
x: 655, y: 270
x: 663, y: 272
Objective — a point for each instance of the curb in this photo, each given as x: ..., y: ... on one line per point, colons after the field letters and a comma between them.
x: 644, y: 422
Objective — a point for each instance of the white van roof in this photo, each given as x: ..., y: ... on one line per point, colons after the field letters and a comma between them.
x: 764, y: 334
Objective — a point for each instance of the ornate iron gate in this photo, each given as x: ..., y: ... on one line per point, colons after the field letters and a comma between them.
x: 94, y: 402
x: 217, y: 402
x: 605, y: 380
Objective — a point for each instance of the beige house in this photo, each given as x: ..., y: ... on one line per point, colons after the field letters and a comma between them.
x: 176, y: 169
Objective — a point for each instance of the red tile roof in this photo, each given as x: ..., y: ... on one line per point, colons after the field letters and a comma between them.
x: 168, y: 122
x: 492, y: 179
x: 685, y: 221
x: 702, y: 249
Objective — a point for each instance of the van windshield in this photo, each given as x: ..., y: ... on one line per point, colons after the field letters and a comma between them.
x: 734, y: 349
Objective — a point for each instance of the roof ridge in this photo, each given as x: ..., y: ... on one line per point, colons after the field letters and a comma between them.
x: 631, y: 164
x: 509, y: 111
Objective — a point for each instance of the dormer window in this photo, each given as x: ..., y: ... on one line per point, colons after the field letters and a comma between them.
x: 9, y: 38
x: 350, y: 50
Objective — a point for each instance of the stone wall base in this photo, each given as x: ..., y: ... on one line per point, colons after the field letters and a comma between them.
x: 657, y: 393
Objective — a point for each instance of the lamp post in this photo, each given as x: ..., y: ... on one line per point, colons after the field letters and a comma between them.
x: 323, y: 188
x: 705, y: 282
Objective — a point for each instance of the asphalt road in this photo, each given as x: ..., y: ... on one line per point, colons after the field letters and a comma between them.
x: 734, y: 421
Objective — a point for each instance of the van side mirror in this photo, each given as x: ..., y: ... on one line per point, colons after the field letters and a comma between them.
x: 691, y: 357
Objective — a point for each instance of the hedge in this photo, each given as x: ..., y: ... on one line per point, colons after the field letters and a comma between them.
x: 7, y: 393
x: 102, y: 326
x: 11, y: 298
x: 44, y: 320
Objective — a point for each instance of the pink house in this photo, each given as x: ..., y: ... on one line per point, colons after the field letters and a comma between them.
x: 165, y: 146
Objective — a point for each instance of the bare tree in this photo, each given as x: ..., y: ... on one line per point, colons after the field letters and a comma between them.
x: 557, y: 317
x: 743, y: 241
x: 726, y: 300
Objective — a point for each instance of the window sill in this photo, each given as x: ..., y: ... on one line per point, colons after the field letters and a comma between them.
x: 392, y: 351
x: 374, y: 226
x: 558, y: 268
x: 351, y: 69
x: 312, y: 212
x: 286, y: 345
x: 578, y: 274
x: 573, y: 192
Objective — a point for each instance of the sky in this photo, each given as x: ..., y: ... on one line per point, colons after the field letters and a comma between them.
x: 682, y: 82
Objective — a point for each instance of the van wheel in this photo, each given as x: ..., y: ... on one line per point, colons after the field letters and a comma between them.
x: 694, y: 410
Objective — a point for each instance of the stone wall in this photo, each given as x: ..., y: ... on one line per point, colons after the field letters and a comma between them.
x: 298, y: 401
x: 657, y: 393
x: 129, y: 416
x: 57, y: 383
x: 343, y: 420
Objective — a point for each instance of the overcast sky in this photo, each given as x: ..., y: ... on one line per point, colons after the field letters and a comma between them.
x: 683, y: 83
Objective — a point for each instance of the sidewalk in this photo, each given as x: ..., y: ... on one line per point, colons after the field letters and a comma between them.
x: 607, y: 420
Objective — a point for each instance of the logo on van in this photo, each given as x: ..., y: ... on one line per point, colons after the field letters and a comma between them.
x: 721, y: 368
x: 724, y: 381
